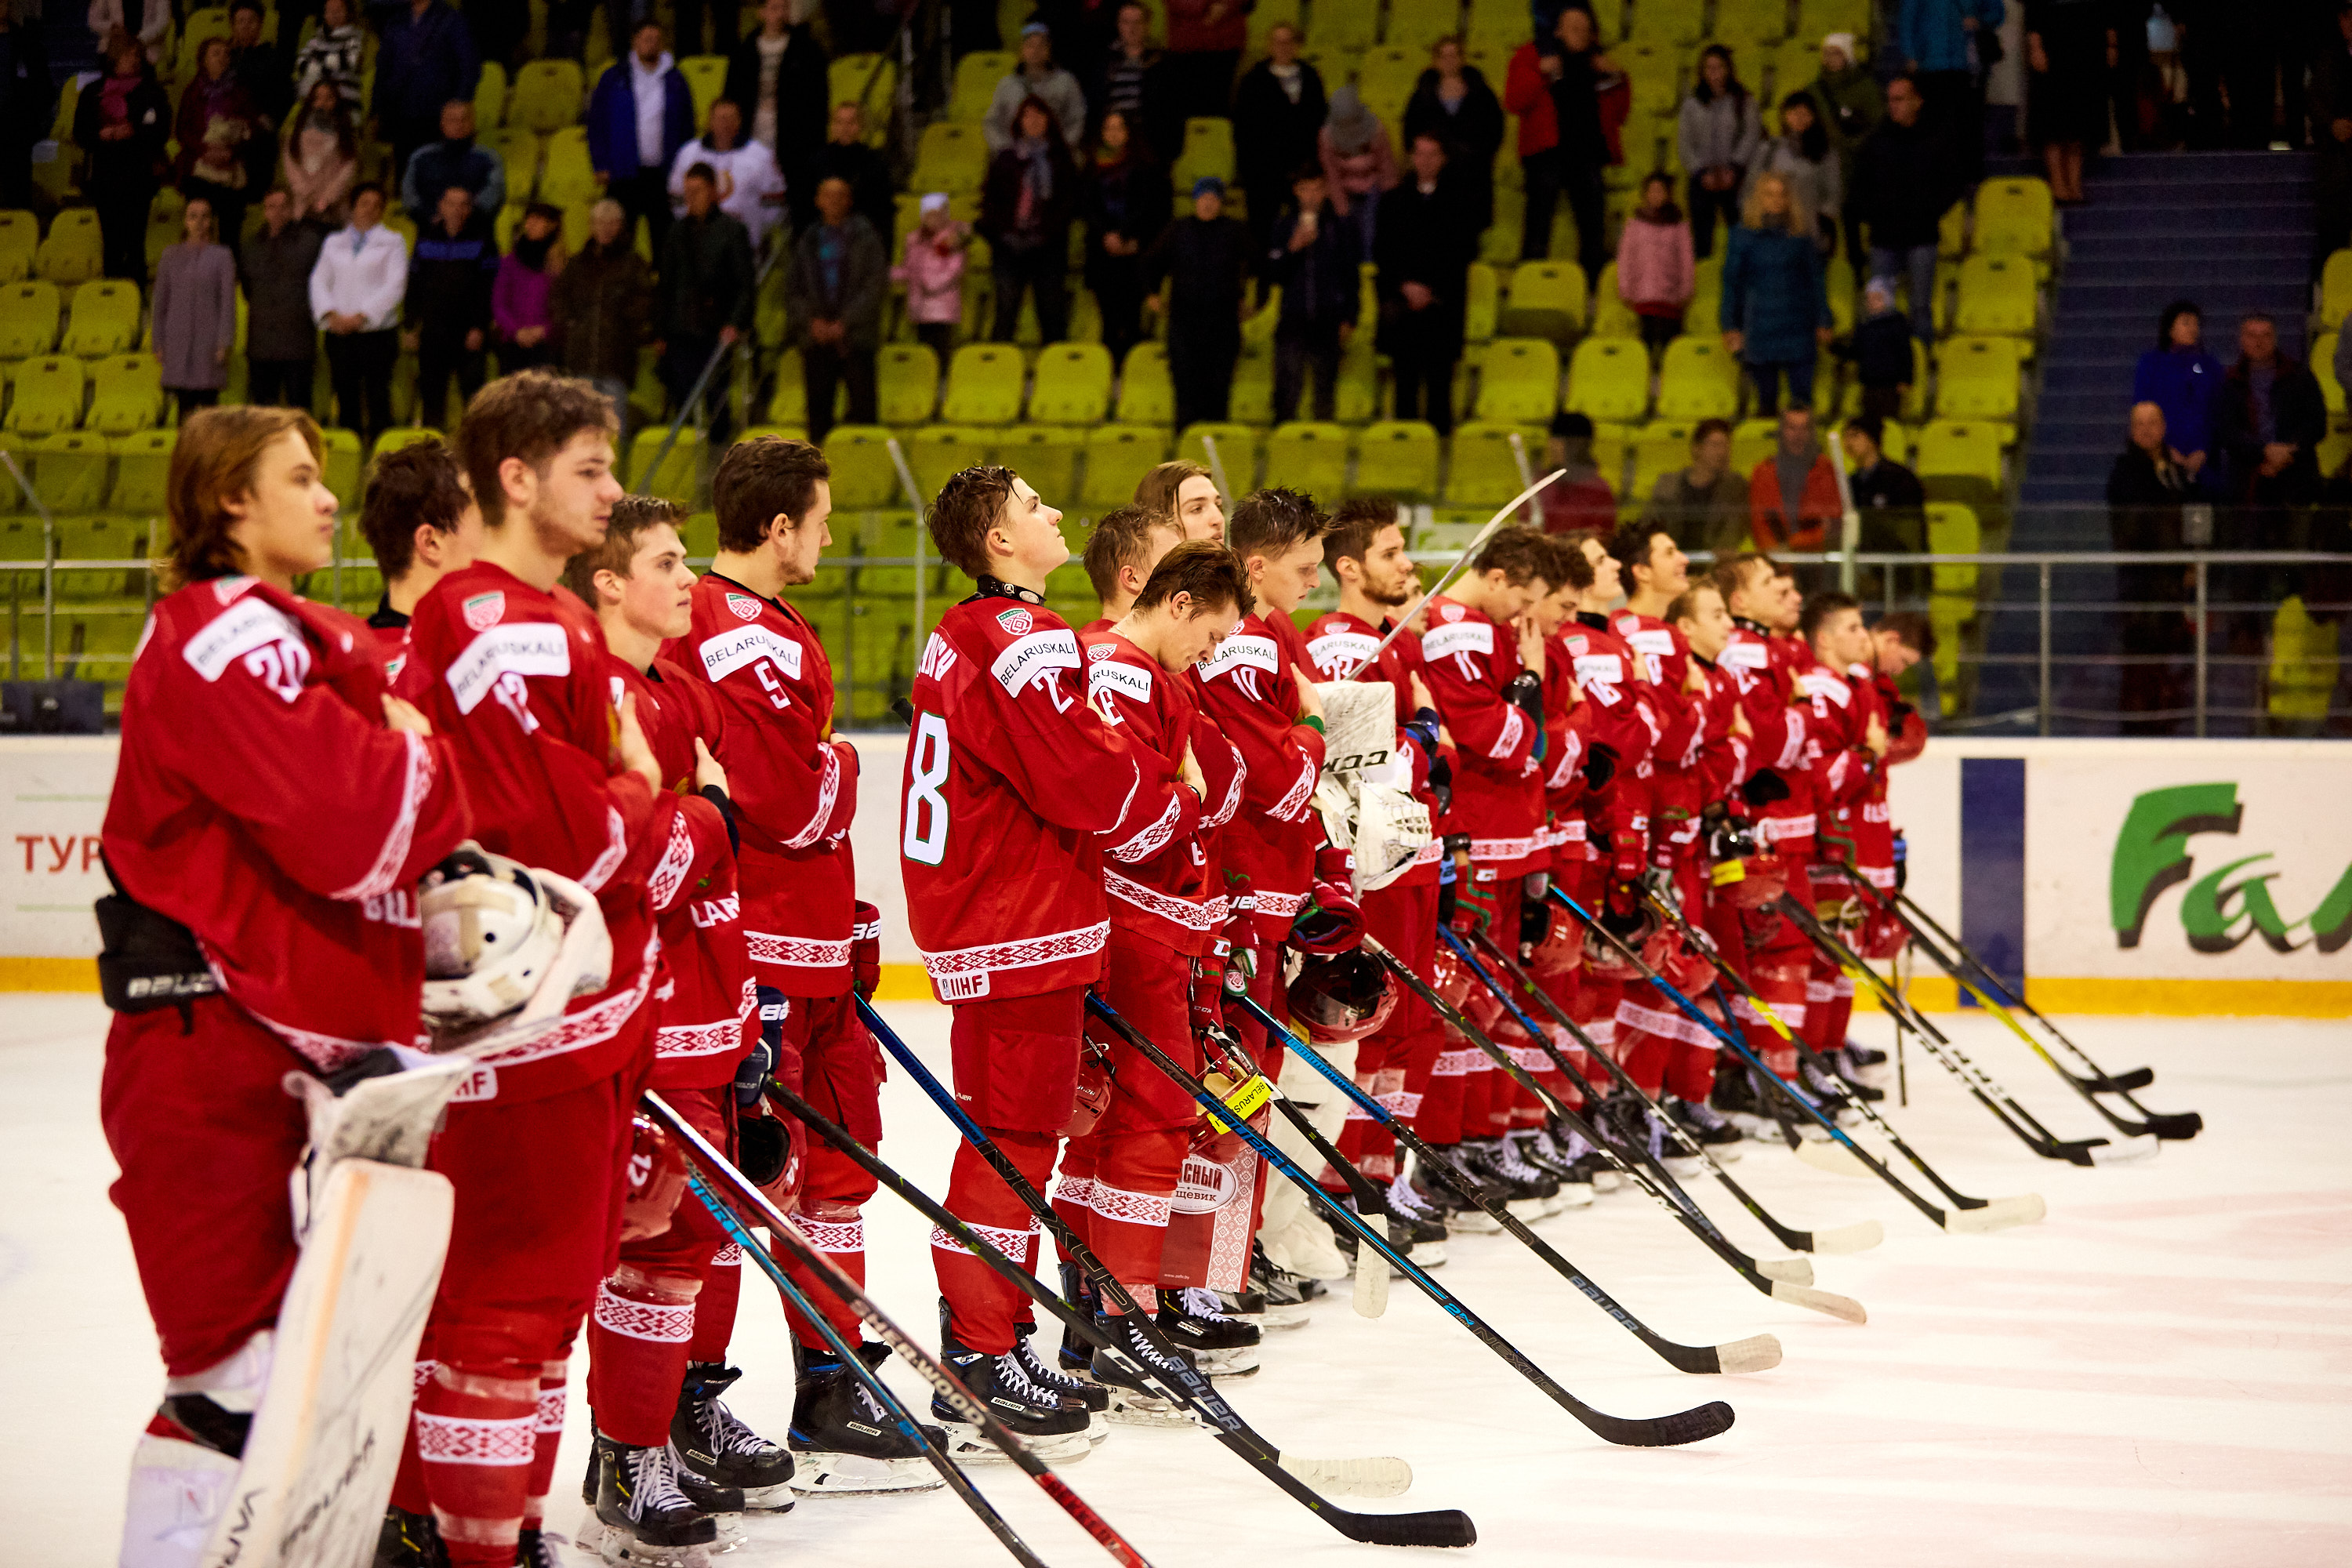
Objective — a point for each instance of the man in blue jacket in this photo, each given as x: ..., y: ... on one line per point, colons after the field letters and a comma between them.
x: 1936, y: 39
x: 641, y: 113
x: 426, y: 57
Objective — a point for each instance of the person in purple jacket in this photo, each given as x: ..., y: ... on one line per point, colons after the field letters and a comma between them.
x: 2179, y: 376
x: 519, y: 299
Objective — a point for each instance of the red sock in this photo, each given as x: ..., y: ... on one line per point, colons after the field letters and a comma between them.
x: 476, y: 1435
x: 638, y: 1339
x: 547, y: 1437
x: 714, y: 1309
x: 980, y: 1305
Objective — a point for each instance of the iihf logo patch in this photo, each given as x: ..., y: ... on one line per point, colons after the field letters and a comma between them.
x: 1016, y: 623
x: 745, y: 608
x: 484, y: 611
x: 1452, y: 612
x: 1101, y: 650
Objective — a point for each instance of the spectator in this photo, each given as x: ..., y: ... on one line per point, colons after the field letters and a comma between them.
x: 779, y: 75
x: 1427, y: 243
x: 2331, y: 135
x: 1025, y: 210
x: 1703, y: 506
x: 833, y: 298
x: 107, y: 18
x: 751, y: 188
x: 1716, y: 134
x: 1776, y: 304
x: 321, y: 157
x: 356, y: 291
x: 1583, y: 500
x: 1198, y: 272
x: 1881, y: 350
x: 424, y: 58
x: 1793, y: 495
x: 1572, y: 101
x: 1453, y: 101
x: 123, y: 120
x: 1358, y: 164
x: 724, y: 15
x: 641, y: 113
x: 846, y: 156
x: 2066, y: 44
x: 1936, y: 40
x: 195, y: 311
x: 2273, y: 420
x: 1039, y: 78
x: 1278, y: 112
x: 281, y: 342
x: 519, y: 299
x: 2187, y: 383
x: 1892, y: 505
x: 1314, y: 260
x: 336, y: 54
x: 1205, y: 39
x: 258, y: 66
x: 1904, y: 179
x: 1655, y: 272
x: 1801, y: 155
x: 455, y: 160
x: 1125, y: 199
x: 600, y: 305
x: 2146, y: 490
x: 450, y: 280
x: 1135, y: 83
x: 932, y: 271
x: 217, y: 126
x: 1851, y: 104
x: 705, y: 303
x: 28, y: 101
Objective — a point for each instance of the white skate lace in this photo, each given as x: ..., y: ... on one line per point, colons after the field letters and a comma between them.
x: 1700, y: 1112
x: 1013, y: 1378
x: 1043, y: 1371
x: 1567, y: 1151
x: 1512, y: 1166
x: 1134, y: 1344
x: 653, y: 1482
x: 1199, y: 1301
x: 725, y: 1434
x: 868, y: 1405
x: 1404, y: 1199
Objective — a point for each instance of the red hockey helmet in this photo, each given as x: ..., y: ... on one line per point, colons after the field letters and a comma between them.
x: 1340, y: 997
x: 1450, y: 978
x: 1561, y: 951
x: 1685, y: 968
x: 1759, y: 880
x: 1602, y: 957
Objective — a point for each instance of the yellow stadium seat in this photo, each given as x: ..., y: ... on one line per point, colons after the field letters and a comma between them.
x: 1398, y: 457
x: 1342, y: 33
x: 1997, y: 299
x: 1073, y: 385
x: 906, y: 382
x: 1419, y: 24
x: 567, y: 178
x: 1547, y: 301
x: 699, y: 534
x: 952, y: 156
x: 342, y: 471
x: 1609, y: 379
x: 1699, y: 381
x: 2014, y: 217
x: 1978, y: 378
x: 1655, y: 456
x: 706, y: 77
x: 1960, y: 460
x: 868, y: 80
x: 1817, y: 18
x: 2336, y: 289
x: 1499, y: 246
x: 1208, y: 150
x: 1952, y: 232
x: 864, y: 478
x: 72, y: 253
x: 936, y: 451
x: 517, y: 147
x: 548, y: 96
x: 1250, y: 399
x: 142, y: 466
x: 1147, y: 393
x: 1238, y: 450
x: 1481, y: 304
x: 976, y: 75
x: 1746, y: 28
x: 1308, y: 456
x: 1385, y: 75
x: 1483, y: 471
x: 1668, y: 21
x: 28, y: 319
x: 2323, y: 369
x: 48, y: 396
x: 20, y: 236
x: 789, y: 402
x: 676, y: 480
x: 1612, y: 317
x: 1047, y: 457
x: 1500, y: 24
x: 1117, y: 457
x: 104, y: 319
x: 984, y: 385
x: 1519, y: 382
x: 126, y: 393
x: 100, y: 538
x: 2305, y: 664
x: 68, y: 470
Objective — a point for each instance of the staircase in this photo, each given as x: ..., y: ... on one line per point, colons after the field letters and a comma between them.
x: 2231, y: 231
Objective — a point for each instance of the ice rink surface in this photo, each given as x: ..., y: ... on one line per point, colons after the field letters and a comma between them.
x: 2160, y: 1373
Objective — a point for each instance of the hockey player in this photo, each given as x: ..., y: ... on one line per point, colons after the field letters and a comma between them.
x: 511, y: 667
x: 1015, y: 791
x: 1126, y: 545
x: 419, y: 518
x: 1851, y: 740
x: 1186, y: 492
x: 273, y: 807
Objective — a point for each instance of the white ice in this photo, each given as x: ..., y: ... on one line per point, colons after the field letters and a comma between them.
x: 2160, y: 1373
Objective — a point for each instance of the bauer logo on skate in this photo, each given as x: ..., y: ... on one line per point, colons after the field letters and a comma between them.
x: 1033, y: 657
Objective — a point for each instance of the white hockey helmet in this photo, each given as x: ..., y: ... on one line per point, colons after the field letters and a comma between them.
x: 492, y: 934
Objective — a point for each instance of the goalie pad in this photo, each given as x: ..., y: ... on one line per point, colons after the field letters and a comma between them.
x: 1359, y: 724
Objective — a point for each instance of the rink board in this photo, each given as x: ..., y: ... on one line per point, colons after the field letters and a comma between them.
x: 2162, y: 877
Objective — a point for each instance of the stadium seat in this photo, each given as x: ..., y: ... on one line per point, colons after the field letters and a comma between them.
x: 870, y: 81
x: 1483, y: 472
x: 906, y: 382
x: 1952, y: 232
x: 1978, y: 378
x: 699, y: 534
x: 1676, y: 22
x: 2336, y: 289
x: 28, y: 319
x: 864, y: 478
x: 517, y: 147
x: 2305, y: 664
x: 1500, y: 246
x: 1500, y: 24
x: 547, y: 96
x: 1308, y: 457
x: 1251, y: 398
x: 1746, y: 29
x: 48, y: 396
x: 1419, y: 24
x: 1952, y: 530
x: 1608, y: 378
x: 1997, y: 299
x: 68, y: 470
x: 1699, y: 381
x: 72, y: 253
x: 675, y: 480
x: 2014, y: 217
x: 1752, y: 441
x: 1398, y: 457
x: 1519, y: 382
x: 1239, y: 449
x: 936, y: 451
x: 1117, y: 456
x: 1481, y: 304
x: 102, y: 537
x: 1208, y: 150
x: 126, y: 393
x: 20, y: 236
x: 2323, y: 370
x: 1547, y: 301
x: 788, y: 404
x: 706, y: 77
x: 1342, y: 33
x: 1047, y: 457
x: 1960, y: 460
x: 1612, y: 317
x: 976, y: 75
x: 1655, y: 456
x: 1072, y: 387
x: 142, y: 466
x: 984, y: 385
x: 1147, y: 393
x: 951, y: 157
x: 104, y: 319
x: 342, y: 471
x: 567, y: 178
x: 1385, y: 75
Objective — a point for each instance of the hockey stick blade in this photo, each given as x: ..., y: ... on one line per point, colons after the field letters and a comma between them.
x: 1758, y: 1353
x: 1834, y: 1158
x: 1439, y: 1527
x: 2116, y: 1083
x: 2175, y: 1127
x: 1380, y: 1475
x: 1795, y: 1271
x: 1857, y: 1237
x: 1841, y: 1307
x: 1370, y: 1296
x: 2125, y: 1153
x: 1999, y: 1215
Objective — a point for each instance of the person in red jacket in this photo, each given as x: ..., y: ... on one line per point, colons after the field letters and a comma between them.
x: 1571, y: 100
x: 273, y: 807
x: 1016, y: 793
x: 419, y: 518
x: 511, y: 667
x: 1793, y: 495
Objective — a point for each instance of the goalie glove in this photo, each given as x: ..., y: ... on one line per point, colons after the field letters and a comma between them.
x: 864, y: 949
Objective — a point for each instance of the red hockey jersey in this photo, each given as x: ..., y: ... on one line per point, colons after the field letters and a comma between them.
x: 1247, y: 691
x: 1757, y: 665
x: 1015, y: 791
x: 794, y: 785
x: 260, y: 801
x: 517, y: 679
x: 1467, y: 661
x: 1622, y: 718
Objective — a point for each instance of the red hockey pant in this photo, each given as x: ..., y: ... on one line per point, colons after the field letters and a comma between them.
x: 841, y: 1075
x: 1663, y: 1047
x: 1393, y: 1067
x: 1829, y: 1003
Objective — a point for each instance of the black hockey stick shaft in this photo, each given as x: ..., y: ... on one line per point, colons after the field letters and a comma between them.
x: 1664, y: 1431
x: 1747, y: 1355
x: 711, y: 1165
x: 1441, y: 1527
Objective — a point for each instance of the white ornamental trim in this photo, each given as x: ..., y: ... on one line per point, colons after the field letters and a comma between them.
x: 1291, y: 807
x: 1279, y: 906
x: 1664, y: 1025
x: 1790, y: 1012
x: 677, y: 1041
x: 678, y: 859
x: 1152, y: 839
x: 1774, y: 828
x: 1507, y: 849
x: 393, y: 853
x: 1455, y: 1064
x: 1013, y: 1244
x: 829, y: 788
x: 1125, y: 1207
x: 658, y: 1322
x: 1025, y: 952
x: 833, y: 1235
x: 794, y: 951
x: 549, y: 1415
x: 467, y: 1440
x: 1176, y: 911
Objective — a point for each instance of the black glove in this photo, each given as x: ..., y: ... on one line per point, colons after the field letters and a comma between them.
x: 758, y: 1063
x: 1765, y: 787
x: 1535, y: 911
x: 1600, y: 765
x: 1441, y: 783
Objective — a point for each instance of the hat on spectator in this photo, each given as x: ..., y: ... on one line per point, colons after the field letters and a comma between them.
x: 1843, y: 44
x: 1351, y: 127
x: 935, y: 202
x: 1208, y: 185
x: 1029, y: 27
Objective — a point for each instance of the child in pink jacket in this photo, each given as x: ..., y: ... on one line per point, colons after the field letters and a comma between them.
x: 1655, y: 274
x: 932, y: 271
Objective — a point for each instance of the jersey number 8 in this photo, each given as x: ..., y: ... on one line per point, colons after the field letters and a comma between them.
x: 926, y: 837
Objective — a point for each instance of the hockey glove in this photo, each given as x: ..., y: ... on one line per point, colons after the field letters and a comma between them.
x: 1535, y: 912
x: 1764, y: 788
x: 1206, y: 993
x: 1331, y: 920
x: 1474, y: 902
x: 1446, y: 885
x: 764, y: 1147
x: 758, y: 1063
x: 1600, y: 765
x: 864, y: 949
x: 1238, y: 940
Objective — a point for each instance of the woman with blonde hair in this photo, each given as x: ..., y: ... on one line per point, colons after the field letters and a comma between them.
x: 1776, y: 308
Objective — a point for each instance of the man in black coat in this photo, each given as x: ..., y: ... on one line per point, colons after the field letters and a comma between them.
x: 2146, y: 493
x: 2272, y: 419
x: 1428, y: 235
x: 1313, y: 259
x: 1198, y: 271
x: 1278, y: 108
x: 844, y: 156
x: 1893, y: 504
x: 705, y: 301
x: 281, y: 339
x: 1906, y: 175
x: 792, y: 122
x: 448, y: 305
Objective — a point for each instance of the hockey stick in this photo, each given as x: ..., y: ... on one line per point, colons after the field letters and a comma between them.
x: 705, y: 1164
x: 1858, y: 1237
x: 1651, y: 1178
x: 1970, y: 1216
x: 2172, y: 1126
x: 1753, y: 1354
x: 1484, y: 534
x: 1644, y: 1432
x: 1377, y: 1476
x: 1780, y: 1289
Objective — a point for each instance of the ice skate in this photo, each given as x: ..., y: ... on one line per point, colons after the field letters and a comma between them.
x: 1414, y: 1207
x: 720, y: 1451
x: 1135, y: 1402
x: 1536, y: 1147
x: 639, y: 1515
x: 1062, y: 1381
x: 536, y: 1548
x: 843, y: 1442
x: 1528, y: 1193
x: 1275, y: 1297
x: 1706, y: 1126
x: 1863, y: 1056
x: 413, y: 1541
x: 1462, y: 1217
x: 1053, y: 1427
x: 1192, y: 1321
x: 1077, y: 1352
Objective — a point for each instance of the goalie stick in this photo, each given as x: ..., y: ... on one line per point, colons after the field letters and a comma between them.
x: 1376, y: 1476
x: 1690, y: 1426
x: 1970, y: 1215
x: 1859, y: 1237
x: 1460, y: 561
x: 705, y: 1163
x: 2171, y: 1126
x: 1756, y: 1353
